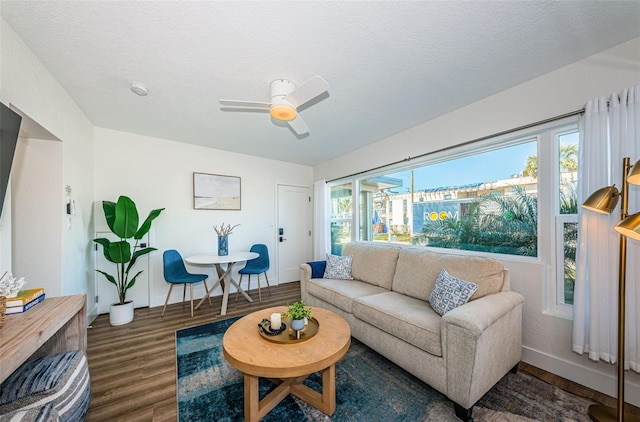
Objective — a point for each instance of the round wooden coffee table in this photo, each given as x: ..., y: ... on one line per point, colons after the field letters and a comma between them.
x: 286, y: 365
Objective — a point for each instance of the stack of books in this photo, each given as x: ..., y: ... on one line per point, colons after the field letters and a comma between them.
x: 25, y: 300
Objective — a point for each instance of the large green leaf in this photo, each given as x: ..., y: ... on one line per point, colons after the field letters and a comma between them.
x: 125, y: 225
x: 106, y: 243
x: 147, y: 223
x: 132, y: 281
x: 108, y: 276
x: 119, y: 252
x: 143, y: 251
x: 138, y: 253
x: 109, y: 209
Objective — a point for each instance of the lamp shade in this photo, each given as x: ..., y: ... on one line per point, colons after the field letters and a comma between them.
x: 283, y: 112
x: 604, y: 200
x: 630, y: 226
x: 634, y: 174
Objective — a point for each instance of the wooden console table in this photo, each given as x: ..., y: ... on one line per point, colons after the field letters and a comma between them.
x: 55, y: 325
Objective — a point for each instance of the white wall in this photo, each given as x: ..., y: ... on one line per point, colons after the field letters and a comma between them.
x: 36, y: 177
x: 27, y: 85
x: 5, y: 232
x: 547, y: 339
x: 158, y: 173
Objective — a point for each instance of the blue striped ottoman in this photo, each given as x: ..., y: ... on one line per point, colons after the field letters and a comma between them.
x: 51, y: 388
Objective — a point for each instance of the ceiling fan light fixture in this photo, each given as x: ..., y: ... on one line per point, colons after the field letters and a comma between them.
x: 285, y: 100
x: 283, y: 112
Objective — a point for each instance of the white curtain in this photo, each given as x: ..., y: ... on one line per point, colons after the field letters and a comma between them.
x: 321, y: 238
x: 609, y: 131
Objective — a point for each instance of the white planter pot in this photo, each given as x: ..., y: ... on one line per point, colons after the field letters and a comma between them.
x: 121, y: 314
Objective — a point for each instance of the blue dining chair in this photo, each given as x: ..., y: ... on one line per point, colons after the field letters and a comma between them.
x: 176, y: 273
x: 256, y: 266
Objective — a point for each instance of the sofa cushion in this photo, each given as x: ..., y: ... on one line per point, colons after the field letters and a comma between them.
x: 450, y: 292
x: 407, y: 318
x: 338, y: 267
x: 487, y: 273
x: 317, y: 268
x: 341, y: 293
x: 414, y: 273
x: 60, y: 380
x: 373, y: 263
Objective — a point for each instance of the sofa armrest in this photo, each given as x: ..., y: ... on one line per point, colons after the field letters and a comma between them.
x: 305, y: 276
x: 309, y: 270
x: 481, y: 342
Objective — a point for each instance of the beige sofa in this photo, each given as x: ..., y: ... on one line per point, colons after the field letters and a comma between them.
x: 462, y: 353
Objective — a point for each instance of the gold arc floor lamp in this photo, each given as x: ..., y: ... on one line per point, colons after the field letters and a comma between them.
x: 604, y: 201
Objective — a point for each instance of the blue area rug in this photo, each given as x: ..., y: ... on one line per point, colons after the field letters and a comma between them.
x: 368, y: 388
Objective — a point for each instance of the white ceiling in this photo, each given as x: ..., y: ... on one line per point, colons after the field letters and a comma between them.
x: 390, y: 65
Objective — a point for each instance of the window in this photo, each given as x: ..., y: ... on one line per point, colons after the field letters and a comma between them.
x: 479, y: 201
x: 485, y: 197
x: 341, y: 216
x: 566, y: 213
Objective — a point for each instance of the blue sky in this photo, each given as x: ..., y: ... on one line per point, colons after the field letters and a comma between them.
x: 493, y: 165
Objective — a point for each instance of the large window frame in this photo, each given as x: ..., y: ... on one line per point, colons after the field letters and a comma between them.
x: 550, y: 252
x: 558, y: 303
x: 338, y: 219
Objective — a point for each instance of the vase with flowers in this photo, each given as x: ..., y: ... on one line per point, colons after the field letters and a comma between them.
x: 223, y: 237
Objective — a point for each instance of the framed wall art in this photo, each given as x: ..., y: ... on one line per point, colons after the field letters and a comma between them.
x: 216, y: 192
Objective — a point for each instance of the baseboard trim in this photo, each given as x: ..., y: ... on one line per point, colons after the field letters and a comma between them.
x: 602, y: 382
x: 92, y: 314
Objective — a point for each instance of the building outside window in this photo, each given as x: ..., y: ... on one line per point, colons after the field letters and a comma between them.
x: 483, y: 199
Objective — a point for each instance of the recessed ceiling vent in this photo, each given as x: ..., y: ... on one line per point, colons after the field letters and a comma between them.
x: 138, y: 89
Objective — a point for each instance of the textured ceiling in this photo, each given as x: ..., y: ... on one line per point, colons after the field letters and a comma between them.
x: 390, y: 65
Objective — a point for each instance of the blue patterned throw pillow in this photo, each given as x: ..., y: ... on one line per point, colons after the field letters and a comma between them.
x: 450, y: 292
x: 338, y: 267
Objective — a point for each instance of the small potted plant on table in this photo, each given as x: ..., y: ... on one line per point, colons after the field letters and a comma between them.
x: 298, y: 311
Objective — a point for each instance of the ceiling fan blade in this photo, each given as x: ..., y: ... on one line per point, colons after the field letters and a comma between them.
x: 307, y: 91
x: 253, y: 104
x: 298, y: 125
x: 245, y: 109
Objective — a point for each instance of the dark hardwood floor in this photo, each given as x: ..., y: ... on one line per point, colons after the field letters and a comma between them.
x: 133, y: 367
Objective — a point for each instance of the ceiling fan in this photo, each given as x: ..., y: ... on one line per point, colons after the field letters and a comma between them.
x: 285, y: 100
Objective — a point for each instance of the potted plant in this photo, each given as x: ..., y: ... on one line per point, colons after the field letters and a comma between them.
x: 122, y: 219
x: 297, y: 311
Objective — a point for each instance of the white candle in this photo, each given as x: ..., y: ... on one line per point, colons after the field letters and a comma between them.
x: 276, y: 321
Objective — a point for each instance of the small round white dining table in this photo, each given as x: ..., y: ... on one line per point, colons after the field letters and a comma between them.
x: 224, y: 274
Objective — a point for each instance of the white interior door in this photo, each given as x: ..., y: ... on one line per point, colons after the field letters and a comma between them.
x: 293, y: 231
x: 106, y: 292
